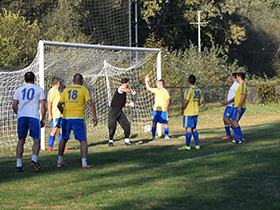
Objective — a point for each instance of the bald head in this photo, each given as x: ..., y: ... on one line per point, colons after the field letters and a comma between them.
x: 78, y: 79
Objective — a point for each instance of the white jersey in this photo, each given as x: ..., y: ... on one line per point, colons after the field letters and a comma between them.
x: 231, y: 92
x: 29, y: 97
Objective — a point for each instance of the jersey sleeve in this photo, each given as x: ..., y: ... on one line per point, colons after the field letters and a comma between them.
x: 87, y: 95
x: 42, y: 94
x: 49, y: 97
x: 62, y: 98
x: 16, y: 96
x: 154, y: 90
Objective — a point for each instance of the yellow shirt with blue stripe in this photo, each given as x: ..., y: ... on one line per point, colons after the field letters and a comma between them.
x: 54, y: 96
x: 161, y: 97
x: 74, y: 98
x: 242, y: 89
x: 194, y: 95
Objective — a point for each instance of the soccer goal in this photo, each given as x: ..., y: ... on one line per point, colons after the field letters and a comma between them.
x: 102, y: 67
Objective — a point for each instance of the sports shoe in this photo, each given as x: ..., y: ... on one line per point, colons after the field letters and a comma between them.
x: 234, y: 141
x: 35, y: 165
x: 87, y: 166
x: 110, y: 144
x: 227, y: 137
x: 153, y: 137
x: 184, y: 148
x: 241, y: 141
x: 129, y: 143
x: 167, y: 137
x: 60, y: 164
x: 49, y: 149
x: 66, y: 149
x: 19, y: 169
x: 197, y: 146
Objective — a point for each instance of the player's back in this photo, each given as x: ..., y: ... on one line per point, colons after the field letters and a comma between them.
x: 194, y: 96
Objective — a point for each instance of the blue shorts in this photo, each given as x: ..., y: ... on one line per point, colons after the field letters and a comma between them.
x: 33, y: 124
x: 237, y: 116
x: 190, y: 121
x: 57, y: 122
x: 228, y: 112
x: 160, y: 116
x: 78, y: 127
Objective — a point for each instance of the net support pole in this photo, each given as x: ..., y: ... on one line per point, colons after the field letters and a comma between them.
x: 159, y: 129
x: 42, y: 85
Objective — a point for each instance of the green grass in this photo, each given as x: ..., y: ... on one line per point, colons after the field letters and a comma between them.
x: 154, y: 174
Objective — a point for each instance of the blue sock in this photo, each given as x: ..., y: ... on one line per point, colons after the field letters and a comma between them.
x: 239, y: 133
x: 51, y: 141
x: 166, y: 131
x: 236, y: 133
x: 154, y: 131
x: 195, y: 136
x: 188, y: 138
x: 59, y: 137
x: 227, y: 128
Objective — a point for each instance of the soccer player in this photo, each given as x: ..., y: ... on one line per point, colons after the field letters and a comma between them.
x: 55, y: 117
x: 162, y: 100
x: 117, y: 115
x: 26, y: 104
x: 239, y: 108
x: 189, y: 110
x: 74, y: 98
x: 229, y: 102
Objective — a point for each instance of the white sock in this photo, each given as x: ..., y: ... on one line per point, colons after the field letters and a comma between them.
x: 60, y: 159
x: 34, y: 158
x: 126, y: 140
x: 84, y: 161
x: 19, y: 162
x: 111, y: 141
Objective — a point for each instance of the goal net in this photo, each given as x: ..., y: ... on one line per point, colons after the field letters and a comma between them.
x: 102, y: 67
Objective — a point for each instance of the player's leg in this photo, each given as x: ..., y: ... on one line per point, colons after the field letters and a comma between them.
x: 188, y: 135
x: 236, y: 116
x: 35, y: 133
x: 195, y: 132
x: 163, y: 119
x: 226, y: 119
x: 19, y: 152
x: 59, y: 126
x: 22, y: 128
x: 84, y: 152
x: 124, y: 123
x: 112, y: 125
x: 52, y: 134
x: 66, y: 129
x: 155, y: 120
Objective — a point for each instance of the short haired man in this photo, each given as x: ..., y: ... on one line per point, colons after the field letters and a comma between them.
x: 74, y: 98
x: 189, y: 110
x: 117, y: 115
x: 26, y: 104
x: 55, y: 117
x: 239, y: 108
x: 162, y: 100
x: 229, y: 108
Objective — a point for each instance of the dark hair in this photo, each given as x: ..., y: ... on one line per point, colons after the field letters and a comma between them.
x: 161, y: 80
x: 242, y: 75
x: 78, y: 78
x: 124, y: 80
x: 192, y: 79
x: 55, y: 80
x: 234, y: 75
x: 29, y: 77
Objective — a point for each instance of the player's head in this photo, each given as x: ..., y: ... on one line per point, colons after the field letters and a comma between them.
x: 160, y: 83
x: 241, y: 75
x: 125, y: 82
x: 78, y: 79
x: 29, y: 77
x: 55, y: 81
x: 233, y: 77
x: 192, y: 79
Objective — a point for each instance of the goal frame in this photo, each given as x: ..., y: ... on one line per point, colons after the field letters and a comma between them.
x: 42, y: 43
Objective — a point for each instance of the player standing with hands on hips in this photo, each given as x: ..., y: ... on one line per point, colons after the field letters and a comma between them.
x: 162, y: 100
x: 189, y: 110
x: 26, y: 104
x: 74, y: 98
x: 117, y: 115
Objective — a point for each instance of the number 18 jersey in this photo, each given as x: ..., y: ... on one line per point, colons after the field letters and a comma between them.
x: 194, y: 96
x: 29, y: 96
x: 74, y: 98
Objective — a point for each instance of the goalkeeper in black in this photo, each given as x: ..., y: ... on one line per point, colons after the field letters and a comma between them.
x: 117, y: 115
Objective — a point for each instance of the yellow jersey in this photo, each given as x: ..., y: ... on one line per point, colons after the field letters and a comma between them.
x: 194, y: 95
x: 161, y: 97
x: 74, y: 98
x: 53, y: 97
x: 242, y: 88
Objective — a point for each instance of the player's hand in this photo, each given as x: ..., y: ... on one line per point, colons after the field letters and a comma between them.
x: 182, y: 112
x: 42, y: 123
x: 239, y: 109
x: 132, y: 104
x: 94, y: 122
x: 50, y: 118
x: 147, y: 78
x: 133, y: 92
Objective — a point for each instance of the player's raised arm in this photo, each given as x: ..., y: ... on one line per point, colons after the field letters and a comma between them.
x: 147, y: 78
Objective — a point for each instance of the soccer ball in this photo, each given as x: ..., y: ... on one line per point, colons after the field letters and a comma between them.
x: 147, y: 128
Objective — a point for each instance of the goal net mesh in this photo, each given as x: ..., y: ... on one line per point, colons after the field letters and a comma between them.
x: 102, y: 70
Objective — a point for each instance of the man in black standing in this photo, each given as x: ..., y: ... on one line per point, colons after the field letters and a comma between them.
x: 117, y: 115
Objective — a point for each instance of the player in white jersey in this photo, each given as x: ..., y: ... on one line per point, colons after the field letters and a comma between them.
x: 230, y: 105
x: 26, y: 104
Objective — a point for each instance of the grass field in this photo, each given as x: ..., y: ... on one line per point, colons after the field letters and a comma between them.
x: 154, y: 174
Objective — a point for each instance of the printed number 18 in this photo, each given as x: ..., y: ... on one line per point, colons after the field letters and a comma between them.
x: 74, y: 94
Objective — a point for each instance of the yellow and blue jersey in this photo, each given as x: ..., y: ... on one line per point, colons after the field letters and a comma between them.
x: 74, y: 98
x: 242, y: 89
x: 194, y: 95
x: 54, y: 96
x: 161, y: 97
